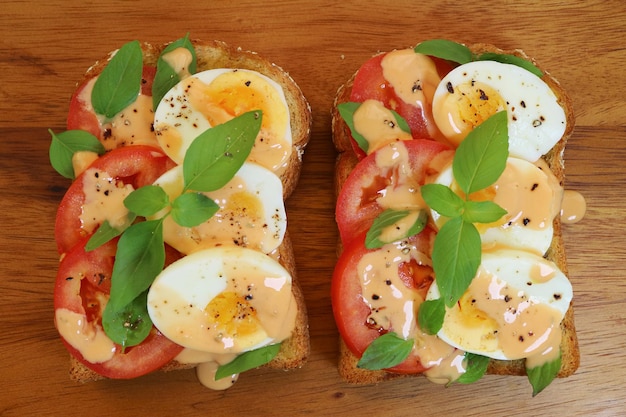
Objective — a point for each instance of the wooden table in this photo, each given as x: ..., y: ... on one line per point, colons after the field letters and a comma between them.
x: 45, y: 48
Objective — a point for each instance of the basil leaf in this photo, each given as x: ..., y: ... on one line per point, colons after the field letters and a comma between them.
x: 388, y: 218
x: 430, y: 315
x: 445, y: 49
x: 481, y: 157
x: 191, y: 209
x: 476, y: 366
x: 248, y: 360
x: 542, y: 376
x: 139, y: 259
x: 106, y: 232
x: 129, y: 325
x: 147, y: 200
x: 511, y: 59
x: 64, y: 145
x: 385, y: 351
x: 456, y: 257
x: 442, y: 199
x: 346, y: 110
x: 119, y: 83
x: 166, y: 77
x: 216, y: 155
x: 482, y: 212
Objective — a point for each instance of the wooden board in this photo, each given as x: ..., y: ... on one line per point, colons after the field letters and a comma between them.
x: 44, y: 50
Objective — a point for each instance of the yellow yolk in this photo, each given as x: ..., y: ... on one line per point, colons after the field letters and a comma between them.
x: 232, y: 314
x: 467, y: 106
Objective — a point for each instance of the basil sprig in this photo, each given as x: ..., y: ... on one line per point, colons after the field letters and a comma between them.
x: 65, y: 144
x: 166, y: 77
x: 385, y: 351
x: 347, y: 110
x: 389, y: 218
x: 248, y: 360
x: 119, y: 83
x: 461, y: 54
x: 478, y: 163
x: 541, y: 376
x: 212, y: 159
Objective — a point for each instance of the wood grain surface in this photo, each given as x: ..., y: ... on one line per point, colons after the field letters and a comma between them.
x: 45, y: 47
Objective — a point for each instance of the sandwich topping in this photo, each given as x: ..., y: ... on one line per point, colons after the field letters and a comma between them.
x: 459, y: 140
x: 169, y: 232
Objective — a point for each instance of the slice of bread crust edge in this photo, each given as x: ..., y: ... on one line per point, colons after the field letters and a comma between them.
x: 347, y: 160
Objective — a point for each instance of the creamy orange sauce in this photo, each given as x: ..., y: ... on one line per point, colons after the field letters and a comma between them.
x: 449, y: 368
x: 89, y: 339
x: 81, y: 161
x: 377, y: 125
x: 573, y: 207
x: 414, y: 78
x: 179, y: 59
x: 104, y: 200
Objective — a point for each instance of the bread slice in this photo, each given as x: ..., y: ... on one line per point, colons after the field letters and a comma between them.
x: 294, y: 351
x: 346, y: 161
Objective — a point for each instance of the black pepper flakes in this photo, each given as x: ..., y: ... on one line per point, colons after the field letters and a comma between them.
x: 534, y: 187
x: 526, y: 221
x: 450, y: 88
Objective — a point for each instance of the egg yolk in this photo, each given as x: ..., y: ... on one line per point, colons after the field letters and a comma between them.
x: 471, y: 316
x: 232, y: 314
x: 466, y: 106
x: 244, y: 204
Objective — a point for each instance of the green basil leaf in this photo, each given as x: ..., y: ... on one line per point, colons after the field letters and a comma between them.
x: 215, y: 156
x: 542, y: 376
x: 456, y: 257
x: 139, y: 259
x: 65, y: 144
x: 511, y: 59
x: 191, y: 209
x: 166, y: 77
x: 482, y: 212
x: 147, y: 200
x: 445, y: 49
x: 119, y: 83
x: 129, y: 325
x: 475, y: 368
x: 106, y: 232
x: 443, y: 200
x: 385, y: 351
x: 481, y: 157
x: 248, y: 360
x: 346, y: 110
x: 430, y: 315
x: 388, y: 218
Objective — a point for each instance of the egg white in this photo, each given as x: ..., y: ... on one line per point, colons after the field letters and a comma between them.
x: 265, y: 233
x: 536, y: 121
x: 514, y: 268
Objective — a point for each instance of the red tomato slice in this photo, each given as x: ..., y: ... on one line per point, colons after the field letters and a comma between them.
x: 369, y: 83
x: 82, y: 286
x: 351, y: 312
x: 81, y: 115
x: 357, y: 204
x: 136, y: 165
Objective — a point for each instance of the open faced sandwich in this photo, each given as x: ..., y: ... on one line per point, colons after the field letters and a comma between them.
x: 450, y: 201
x: 173, y: 239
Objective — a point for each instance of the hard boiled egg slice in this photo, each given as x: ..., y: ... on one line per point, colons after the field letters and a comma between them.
x: 530, y: 194
x: 511, y: 310
x: 223, y: 300
x: 215, y: 96
x: 473, y: 92
x: 251, y: 214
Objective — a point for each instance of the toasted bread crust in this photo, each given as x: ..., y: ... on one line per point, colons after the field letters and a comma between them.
x: 294, y: 351
x: 346, y: 161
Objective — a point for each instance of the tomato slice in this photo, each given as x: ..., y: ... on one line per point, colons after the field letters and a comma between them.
x: 135, y: 165
x: 82, y: 287
x: 370, y: 83
x: 81, y: 115
x: 357, y: 203
x: 351, y: 312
